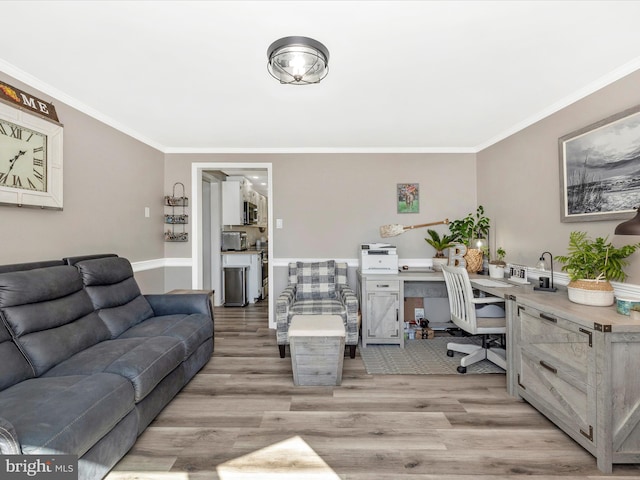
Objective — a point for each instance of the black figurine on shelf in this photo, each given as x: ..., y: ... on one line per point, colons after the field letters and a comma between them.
x: 544, y: 281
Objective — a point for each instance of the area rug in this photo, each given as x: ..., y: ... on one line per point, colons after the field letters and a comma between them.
x: 421, y: 357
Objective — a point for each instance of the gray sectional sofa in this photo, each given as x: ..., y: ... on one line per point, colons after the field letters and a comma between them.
x: 87, y: 361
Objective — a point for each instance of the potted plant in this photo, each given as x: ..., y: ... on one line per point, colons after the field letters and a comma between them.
x: 468, y: 229
x: 440, y: 244
x: 591, y: 264
x: 497, y: 265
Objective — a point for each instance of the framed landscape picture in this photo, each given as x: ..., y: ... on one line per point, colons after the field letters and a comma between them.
x: 408, y: 197
x: 600, y: 169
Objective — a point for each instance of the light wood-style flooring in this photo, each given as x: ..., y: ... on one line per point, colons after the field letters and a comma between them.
x: 241, y: 417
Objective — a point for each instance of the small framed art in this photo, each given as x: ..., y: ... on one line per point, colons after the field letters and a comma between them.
x: 408, y: 197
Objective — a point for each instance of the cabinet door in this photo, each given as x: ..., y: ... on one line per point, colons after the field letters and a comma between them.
x: 382, y: 310
x: 556, y: 370
x: 232, y: 206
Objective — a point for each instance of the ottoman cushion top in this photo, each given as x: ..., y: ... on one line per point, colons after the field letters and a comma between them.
x: 316, y: 326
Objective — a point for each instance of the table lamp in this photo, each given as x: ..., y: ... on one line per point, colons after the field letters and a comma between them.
x: 542, y: 266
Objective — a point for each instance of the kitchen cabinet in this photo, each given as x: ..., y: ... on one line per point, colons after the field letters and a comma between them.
x: 380, y: 304
x: 253, y: 260
x: 232, y: 203
x: 579, y: 366
x: 263, y: 217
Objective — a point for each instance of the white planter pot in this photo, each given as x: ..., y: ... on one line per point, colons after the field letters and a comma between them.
x: 496, y: 271
x: 438, y: 262
x: 594, y: 293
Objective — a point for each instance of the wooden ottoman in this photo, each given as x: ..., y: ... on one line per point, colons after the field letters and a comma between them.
x: 317, y: 349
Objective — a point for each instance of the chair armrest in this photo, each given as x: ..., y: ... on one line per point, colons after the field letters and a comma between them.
x: 9, y: 444
x: 188, y: 303
x: 283, y: 303
x: 350, y: 301
x: 487, y: 300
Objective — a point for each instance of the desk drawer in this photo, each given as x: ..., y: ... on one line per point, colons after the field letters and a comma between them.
x: 556, y: 340
x: 383, y: 285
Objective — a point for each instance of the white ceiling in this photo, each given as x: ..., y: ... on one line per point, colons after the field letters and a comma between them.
x: 403, y: 76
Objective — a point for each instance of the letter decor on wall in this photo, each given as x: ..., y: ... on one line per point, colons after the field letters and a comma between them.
x: 600, y: 169
x: 17, y: 98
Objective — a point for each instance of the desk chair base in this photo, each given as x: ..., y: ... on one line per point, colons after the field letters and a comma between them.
x: 476, y: 353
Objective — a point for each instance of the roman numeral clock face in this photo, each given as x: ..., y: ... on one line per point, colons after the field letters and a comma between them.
x: 23, y: 157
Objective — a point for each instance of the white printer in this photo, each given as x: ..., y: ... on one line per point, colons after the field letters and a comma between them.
x: 378, y: 258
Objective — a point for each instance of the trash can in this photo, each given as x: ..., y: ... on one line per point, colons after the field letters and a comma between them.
x: 235, y: 286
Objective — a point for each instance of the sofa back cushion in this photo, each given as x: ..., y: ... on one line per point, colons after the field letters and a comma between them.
x: 15, y: 367
x: 49, y: 315
x: 114, y: 293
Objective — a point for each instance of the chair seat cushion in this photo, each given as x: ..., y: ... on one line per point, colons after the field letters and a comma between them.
x: 191, y: 330
x: 318, y: 307
x: 66, y: 415
x: 143, y: 361
x: 491, y: 322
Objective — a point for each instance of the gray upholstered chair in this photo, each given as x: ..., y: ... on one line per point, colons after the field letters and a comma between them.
x: 317, y: 288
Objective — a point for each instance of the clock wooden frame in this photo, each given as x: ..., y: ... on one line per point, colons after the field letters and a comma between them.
x: 51, y: 197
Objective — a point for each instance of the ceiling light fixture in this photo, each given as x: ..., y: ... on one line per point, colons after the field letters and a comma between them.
x: 298, y: 60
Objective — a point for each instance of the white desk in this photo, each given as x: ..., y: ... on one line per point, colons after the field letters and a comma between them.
x: 382, y: 296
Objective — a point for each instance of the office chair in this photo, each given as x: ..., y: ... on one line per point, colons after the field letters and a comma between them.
x: 476, y: 316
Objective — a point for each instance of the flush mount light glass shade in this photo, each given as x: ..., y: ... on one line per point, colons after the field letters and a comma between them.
x: 630, y: 227
x: 298, y: 60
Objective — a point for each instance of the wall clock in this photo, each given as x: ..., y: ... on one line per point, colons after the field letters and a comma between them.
x: 30, y: 159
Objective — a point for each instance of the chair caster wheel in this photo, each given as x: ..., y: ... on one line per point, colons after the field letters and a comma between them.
x: 462, y: 369
x: 449, y: 353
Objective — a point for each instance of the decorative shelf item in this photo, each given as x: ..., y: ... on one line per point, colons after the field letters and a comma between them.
x: 170, y: 236
x: 173, y: 218
x: 173, y: 201
x: 518, y: 273
x: 176, y: 219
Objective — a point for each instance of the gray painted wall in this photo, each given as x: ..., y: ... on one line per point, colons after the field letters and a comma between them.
x: 109, y: 178
x: 330, y: 203
x: 519, y: 180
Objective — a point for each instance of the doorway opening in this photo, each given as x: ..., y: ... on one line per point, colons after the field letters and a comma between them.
x: 207, y: 223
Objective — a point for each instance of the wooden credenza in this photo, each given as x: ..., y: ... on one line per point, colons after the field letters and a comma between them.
x: 580, y: 367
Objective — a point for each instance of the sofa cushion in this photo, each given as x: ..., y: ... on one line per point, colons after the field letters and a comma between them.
x: 191, y: 330
x: 316, y: 280
x: 143, y: 361
x: 49, y: 315
x: 15, y: 367
x: 114, y: 292
x: 65, y: 415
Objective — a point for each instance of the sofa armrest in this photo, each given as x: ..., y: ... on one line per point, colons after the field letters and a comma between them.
x: 188, y: 303
x: 283, y: 303
x: 9, y: 444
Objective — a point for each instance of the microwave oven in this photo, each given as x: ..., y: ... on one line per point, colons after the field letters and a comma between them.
x: 234, y: 241
x: 250, y: 213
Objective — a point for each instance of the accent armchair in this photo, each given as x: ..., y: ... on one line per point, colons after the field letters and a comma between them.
x: 317, y: 288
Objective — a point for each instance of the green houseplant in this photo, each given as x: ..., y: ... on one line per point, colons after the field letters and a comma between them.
x: 440, y: 244
x: 497, y: 265
x: 465, y: 230
x: 591, y: 265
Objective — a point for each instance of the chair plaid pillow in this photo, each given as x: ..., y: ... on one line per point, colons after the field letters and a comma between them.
x: 316, y: 280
